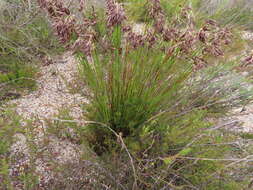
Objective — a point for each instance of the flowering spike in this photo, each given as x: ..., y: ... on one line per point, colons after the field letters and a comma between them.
x: 115, y: 13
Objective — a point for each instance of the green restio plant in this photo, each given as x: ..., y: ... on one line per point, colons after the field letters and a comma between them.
x: 128, y: 87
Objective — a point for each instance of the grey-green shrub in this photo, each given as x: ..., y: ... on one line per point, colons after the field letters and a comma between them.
x: 25, y: 37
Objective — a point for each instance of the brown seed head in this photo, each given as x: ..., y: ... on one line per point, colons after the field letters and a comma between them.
x: 115, y: 13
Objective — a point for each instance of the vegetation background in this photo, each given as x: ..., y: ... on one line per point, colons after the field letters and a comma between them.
x: 155, y: 97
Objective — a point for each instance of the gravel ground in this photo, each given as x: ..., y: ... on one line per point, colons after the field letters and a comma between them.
x: 44, y: 103
x: 242, y: 118
x: 52, y: 92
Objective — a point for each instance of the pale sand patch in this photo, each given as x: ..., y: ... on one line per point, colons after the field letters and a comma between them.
x: 44, y: 103
x: 52, y: 93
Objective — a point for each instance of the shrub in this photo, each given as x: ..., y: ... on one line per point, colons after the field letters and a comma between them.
x: 236, y: 13
x: 15, y: 169
x: 25, y: 37
x: 8, y: 128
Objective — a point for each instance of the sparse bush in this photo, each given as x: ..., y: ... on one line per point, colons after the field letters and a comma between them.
x: 8, y: 128
x: 25, y: 37
x: 237, y: 13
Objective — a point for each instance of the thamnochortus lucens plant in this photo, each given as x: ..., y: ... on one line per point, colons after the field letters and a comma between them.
x: 151, y: 94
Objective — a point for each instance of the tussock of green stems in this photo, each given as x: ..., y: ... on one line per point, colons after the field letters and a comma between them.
x: 159, y: 107
x: 129, y: 87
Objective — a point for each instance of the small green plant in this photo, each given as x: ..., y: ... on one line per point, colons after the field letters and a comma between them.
x: 25, y: 37
x: 8, y: 128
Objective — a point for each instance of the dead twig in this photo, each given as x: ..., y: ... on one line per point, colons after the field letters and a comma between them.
x: 14, y: 80
x: 134, y: 187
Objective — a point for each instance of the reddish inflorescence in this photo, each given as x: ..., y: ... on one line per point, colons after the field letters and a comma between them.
x: 158, y: 16
x: 65, y: 26
x: 54, y: 8
x: 210, y: 38
x: 115, y: 13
